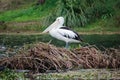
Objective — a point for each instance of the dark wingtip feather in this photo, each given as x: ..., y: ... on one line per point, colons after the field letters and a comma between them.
x: 76, y: 37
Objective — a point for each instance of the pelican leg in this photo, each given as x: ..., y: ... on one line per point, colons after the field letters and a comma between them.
x: 67, y: 45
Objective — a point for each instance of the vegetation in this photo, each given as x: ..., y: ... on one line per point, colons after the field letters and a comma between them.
x: 78, y: 74
x: 79, y: 13
x: 82, y: 15
x: 94, y: 15
x: 8, y: 74
x: 33, y: 12
x: 42, y: 57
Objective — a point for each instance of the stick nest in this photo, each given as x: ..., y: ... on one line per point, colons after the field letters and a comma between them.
x: 41, y: 57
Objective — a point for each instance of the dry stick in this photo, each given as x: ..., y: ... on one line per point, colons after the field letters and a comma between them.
x: 48, y: 57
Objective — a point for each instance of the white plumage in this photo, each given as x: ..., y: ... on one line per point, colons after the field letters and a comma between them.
x: 57, y: 30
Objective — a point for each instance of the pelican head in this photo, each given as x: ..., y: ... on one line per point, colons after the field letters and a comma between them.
x: 60, y: 20
x: 56, y: 24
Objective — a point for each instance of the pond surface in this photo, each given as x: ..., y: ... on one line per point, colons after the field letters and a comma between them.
x: 100, y: 41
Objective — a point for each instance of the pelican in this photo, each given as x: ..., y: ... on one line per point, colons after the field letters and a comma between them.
x: 60, y: 32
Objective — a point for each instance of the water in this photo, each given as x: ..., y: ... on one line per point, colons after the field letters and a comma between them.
x: 100, y: 41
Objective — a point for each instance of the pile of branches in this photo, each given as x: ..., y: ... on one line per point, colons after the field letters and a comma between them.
x: 92, y: 57
x: 42, y: 57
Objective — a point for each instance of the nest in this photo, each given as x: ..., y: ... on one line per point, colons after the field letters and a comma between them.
x: 42, y: 57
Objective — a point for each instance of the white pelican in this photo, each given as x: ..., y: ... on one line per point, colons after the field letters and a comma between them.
x: 57, y: 30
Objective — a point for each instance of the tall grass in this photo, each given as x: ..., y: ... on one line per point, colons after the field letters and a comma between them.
x: 77, y: 13
x: 82, y: 12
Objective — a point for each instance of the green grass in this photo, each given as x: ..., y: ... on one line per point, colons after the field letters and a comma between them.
x: 37, y: 26
x: 101, y: 25
x: 39, y: 13
x: 31, y: 13
x: 9, y: 74
x: 34, y: 13
x: 94, y: 74
x: 23, y: 15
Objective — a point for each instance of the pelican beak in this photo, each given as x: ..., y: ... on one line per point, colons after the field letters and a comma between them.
x: 50, y: 27
x: 46, y: 30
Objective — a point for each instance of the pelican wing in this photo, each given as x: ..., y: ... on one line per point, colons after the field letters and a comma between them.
x: 68, y: 33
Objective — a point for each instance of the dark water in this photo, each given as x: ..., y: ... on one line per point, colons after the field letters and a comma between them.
x: 100, y: 41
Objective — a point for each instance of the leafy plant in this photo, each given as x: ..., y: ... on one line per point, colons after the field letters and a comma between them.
x: 82, y: 12
x: 8, y: 74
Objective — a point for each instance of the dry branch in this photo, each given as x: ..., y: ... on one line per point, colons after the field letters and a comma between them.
x: 42, y: 57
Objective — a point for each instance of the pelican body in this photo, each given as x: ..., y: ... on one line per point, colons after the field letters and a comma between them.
x: 60, y: 32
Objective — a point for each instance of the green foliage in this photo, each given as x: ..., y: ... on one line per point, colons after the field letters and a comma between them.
x: 81, y: 12
x: 81, y: 74
x: 21, y: 15
x: 35, y: 12
x: 77, y: 13
x: 8, y: 75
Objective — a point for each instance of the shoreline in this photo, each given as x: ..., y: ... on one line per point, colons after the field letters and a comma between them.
x: 40, y: 33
